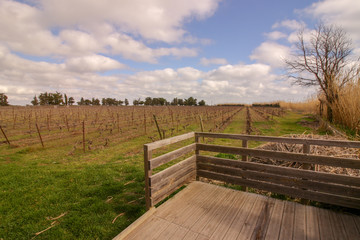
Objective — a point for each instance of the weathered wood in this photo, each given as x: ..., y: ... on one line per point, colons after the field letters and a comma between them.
x: 244, y: 145
x: 158, y: 177
x: 316, y: 196
x: 319, y: 142
x: 284, y: 180
x: 38, y: 130
x: 294, y: 157
x: 291, y: 172
x: 168, y: 141
x: 148, y: 173
x: 172, y: 178
x: 274, y: 227
x: 160, y: 160
x: 312, y: 223
x: 166, y: 191
x: 287, y: 223
x: 3, y: 132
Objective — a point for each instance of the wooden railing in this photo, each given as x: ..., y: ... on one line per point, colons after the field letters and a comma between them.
x: 337, y: 189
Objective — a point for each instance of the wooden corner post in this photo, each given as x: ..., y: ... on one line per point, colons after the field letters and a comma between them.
x: 148, y: 173
x: 197, y: 152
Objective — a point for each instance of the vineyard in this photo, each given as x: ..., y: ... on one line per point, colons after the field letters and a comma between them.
x: 98, y: 126
x: 83, y: 165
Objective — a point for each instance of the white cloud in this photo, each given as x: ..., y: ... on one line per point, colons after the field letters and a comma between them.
x: 275, y: 35
x: 213, y: 61
x: 159, y: 20
x: 92, y: 63
x: 345, y: 13
x: 289, y: 24
x: 271, y: 53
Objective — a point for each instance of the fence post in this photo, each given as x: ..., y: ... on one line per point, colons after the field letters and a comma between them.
x: 197, y: 152
x: 7, y: 140
x: 83, y: 129
x: 148, y: 173
x: 38, y: 130
x: 244, y: 145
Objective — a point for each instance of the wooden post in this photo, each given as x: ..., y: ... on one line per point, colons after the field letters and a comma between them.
x: 7, y: 140
x: 157, y: 125
x: 197, y: 152
x: 83, y: 128
x: 38, y: 130
x: 67, y: 123
x: 202, y: 127
x: 306, y: 166
x: 118, y: 122
x: 145, y: 122
x: 148, y: 173
x: 244, y: 145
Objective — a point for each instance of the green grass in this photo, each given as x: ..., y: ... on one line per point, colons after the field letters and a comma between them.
x: 92, y: 188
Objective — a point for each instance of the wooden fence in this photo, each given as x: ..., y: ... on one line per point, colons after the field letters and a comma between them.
x: 337, y: 189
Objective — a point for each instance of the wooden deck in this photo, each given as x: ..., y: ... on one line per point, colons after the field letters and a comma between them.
x: 206, y: 211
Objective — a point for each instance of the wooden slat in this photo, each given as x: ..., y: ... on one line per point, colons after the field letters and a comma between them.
x: 319, y: 142
x: 148, y: 173
x: 312, y: 223
x: 287, y: 223
x: 292, y: 172
x: 294, y: 157
x: 283, y: 180
x: 337, y: 226
x: 316, y: 196
x: 300, y: 222
x: 273, y: 230
x: 168, y: 141
x: 163, y: 193
x: 324, y: 225
x: 158, y: 177
x: 351, y: 230
x: 165, y: 182
x: 160, y: 160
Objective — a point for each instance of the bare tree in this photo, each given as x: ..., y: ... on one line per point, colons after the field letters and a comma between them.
x: 323, y: 61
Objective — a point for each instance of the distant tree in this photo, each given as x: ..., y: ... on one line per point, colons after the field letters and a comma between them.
x: 65, y: 100
x: 81, y: 102
x: 202, y: 103
x: 126, y: 102
x: 136, y: 102
x: 35, y: 101
x: 190, y: 101
x: 120, y: 102
x: 148, y: 101
x: 95, y: 102
x: 174, y: 102
x: 181, y: 102
x: 162, y: 101
x: 71, y: 101
x: 87, y: 102
x: 3, y: 100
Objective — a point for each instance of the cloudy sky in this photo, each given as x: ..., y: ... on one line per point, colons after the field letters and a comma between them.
x: 220, y: 51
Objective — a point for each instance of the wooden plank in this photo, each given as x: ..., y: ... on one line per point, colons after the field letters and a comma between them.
x: 316, y: 196
x: 319, y: 142
x: 191, y: 236
x: 350, y: 226
x: 324, y: 225
x: 134, y: 226
x: 168, y: 141
x: 160, y: 160
x: 172, y: 178
x: 284, y: 180
x: 148, y: 173
x: 170, y: 231
x: 193, y: 193
x: 294, y: 157
x: 219, y: 230
x: 264, y: 220
x: 150, y: 229
x: 240, y: 220
x: 214, y: 210
x: 337, y: 226
x: 250, y: 225
x: 287, y: 223
x: 198, y: 209
x: 166, y: 191
x: 312, y: 223
x: 273, y: 229
x: 158, y: 177
x: 300, y: 222
x: 310, y: 175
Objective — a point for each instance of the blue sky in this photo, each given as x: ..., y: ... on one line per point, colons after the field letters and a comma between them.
x: 220, y: 51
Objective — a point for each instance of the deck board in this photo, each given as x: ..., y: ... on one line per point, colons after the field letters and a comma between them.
x: 204, y: 211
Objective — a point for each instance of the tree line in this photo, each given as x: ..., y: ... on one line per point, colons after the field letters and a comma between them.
x: 58, y: 98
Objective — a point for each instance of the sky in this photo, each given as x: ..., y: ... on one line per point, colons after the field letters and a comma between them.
x: 222, y: 51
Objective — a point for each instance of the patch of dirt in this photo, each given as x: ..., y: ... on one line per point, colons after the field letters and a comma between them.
x: 313, y: 124
x: 315, y: 150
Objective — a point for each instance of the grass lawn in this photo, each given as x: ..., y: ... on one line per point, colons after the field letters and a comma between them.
x: 92, y: 195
